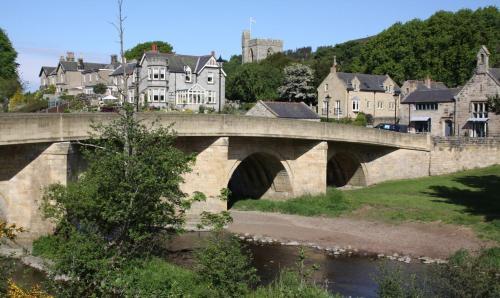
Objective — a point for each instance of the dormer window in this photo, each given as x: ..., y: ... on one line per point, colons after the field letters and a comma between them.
x: 189, y: 74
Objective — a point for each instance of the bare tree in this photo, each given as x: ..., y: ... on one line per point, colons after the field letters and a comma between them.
x: 119, y: 27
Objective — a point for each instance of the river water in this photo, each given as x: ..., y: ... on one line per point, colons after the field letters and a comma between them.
x: 348, y: 276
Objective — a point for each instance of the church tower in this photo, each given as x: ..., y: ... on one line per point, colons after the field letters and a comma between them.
x: 245, y: 47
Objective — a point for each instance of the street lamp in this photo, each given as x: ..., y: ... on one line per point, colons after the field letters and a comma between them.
x: 326, y: 103
x: 220, y: 62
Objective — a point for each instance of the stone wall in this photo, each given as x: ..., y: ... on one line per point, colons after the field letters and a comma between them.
x: 25, y: 171
x: 457, y: 154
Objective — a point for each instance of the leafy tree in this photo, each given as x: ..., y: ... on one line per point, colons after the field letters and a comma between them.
x: 8, y: 88
x: 51, y: 89
x: 297, y: 84
x: 130, y: 190
x: 100, y: 88
x: 137, y: 51
x: 8, y: 65
x: 9, y: 80
x: 232, y: 65
x: 254, y: 81
x: 494, y: 104
x: 16, y: 100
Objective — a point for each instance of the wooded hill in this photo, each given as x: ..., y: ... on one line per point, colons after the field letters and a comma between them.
x: 443, y: 46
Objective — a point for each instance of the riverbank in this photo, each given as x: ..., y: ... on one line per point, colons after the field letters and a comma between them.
x: 433, y: 240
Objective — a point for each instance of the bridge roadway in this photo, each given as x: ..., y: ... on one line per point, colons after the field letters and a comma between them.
x: 48, y: 128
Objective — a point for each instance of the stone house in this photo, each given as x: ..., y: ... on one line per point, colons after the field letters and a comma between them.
x: 412, y: 85
x: 276, y: 109
x: 342, y: 95
x: 257, y: 49
x: 47, y: 76
x: 180, y: 81
x: 67, y: 76
x: 116, y: 81
x: 429, y: 110
x: 472, y: 116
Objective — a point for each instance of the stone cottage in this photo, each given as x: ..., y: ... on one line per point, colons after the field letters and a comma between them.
x: 472, y: 116
x: 342, y: 95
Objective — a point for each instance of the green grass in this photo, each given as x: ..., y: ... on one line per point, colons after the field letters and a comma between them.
x: 332, y: 204
x: 470, y: 198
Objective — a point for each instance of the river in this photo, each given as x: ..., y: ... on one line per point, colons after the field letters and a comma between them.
x: 348, y: 276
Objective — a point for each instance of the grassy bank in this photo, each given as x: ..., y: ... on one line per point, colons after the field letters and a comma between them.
x: 470, y: 198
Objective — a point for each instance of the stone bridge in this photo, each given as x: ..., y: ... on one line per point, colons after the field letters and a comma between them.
x: 254, y: 157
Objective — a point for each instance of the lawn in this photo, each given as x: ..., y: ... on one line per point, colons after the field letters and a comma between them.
x: 470, y: 198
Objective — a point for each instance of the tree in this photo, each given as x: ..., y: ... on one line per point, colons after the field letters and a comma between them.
x: 494, y: 104
x: 298, y: 84
x: 137, y: 51
x: 9, y: 79
x: 100, y: 88
x: 8, y: 65
x: 254, y: 81
x: 16, y: 100
x: 131, y: 189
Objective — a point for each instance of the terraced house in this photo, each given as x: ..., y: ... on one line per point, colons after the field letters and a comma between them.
x: 342, y: 95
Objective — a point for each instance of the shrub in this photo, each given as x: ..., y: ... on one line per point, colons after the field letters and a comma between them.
x: 289, y: 284
x: 466, y: 275
x: 223, y: 265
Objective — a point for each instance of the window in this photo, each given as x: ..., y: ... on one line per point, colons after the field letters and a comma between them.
x: 479, y: 110
x: 210, y: 78
x: 391, y: 106
x: 426, y: 106
x: 156, y: 96
x: 326, y: 87
x: 380, y: 105
x: 337, y: 110
x: 355, y: 105
x: 150, y: 75
x: 162, y: 73
x: 188, y: 74
x: 210, y: 96
x: 156, y: 74
x: 162, y: 94
x: 131, y: 96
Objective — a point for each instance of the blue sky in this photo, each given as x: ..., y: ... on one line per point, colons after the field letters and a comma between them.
x: 41, y: 31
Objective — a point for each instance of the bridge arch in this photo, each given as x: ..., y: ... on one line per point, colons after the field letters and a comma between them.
x: 259, y: 174
x: 345, y: 168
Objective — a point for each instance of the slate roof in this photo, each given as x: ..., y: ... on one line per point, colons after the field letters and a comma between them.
x: 495, y: 72
x: 434, y: 85
x: 73, y: 65
x: 176, y: 62
x: 368, y: 82
x: 119, y: 71
x: 431, y: 95
x: 293, y: 110
x: 47, y: 69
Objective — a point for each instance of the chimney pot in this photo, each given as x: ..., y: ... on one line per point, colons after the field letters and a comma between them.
x: 70, y: 56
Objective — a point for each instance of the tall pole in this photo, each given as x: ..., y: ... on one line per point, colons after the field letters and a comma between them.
x: 220, y: 67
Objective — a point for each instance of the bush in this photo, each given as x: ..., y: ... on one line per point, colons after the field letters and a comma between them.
x: 223, y: 265
x: 360, y: 119
x: 392, y: 283
x: 466, y: 275
x: 289, y: 284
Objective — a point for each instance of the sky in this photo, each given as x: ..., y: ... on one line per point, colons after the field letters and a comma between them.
x: 42, y: 31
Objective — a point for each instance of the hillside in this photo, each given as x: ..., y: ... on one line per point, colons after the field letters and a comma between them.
x: 444, y: 46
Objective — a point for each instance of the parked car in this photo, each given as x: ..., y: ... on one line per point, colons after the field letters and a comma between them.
x: 392, y: 127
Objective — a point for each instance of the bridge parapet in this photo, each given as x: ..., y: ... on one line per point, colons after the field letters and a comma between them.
x: 38, y: 128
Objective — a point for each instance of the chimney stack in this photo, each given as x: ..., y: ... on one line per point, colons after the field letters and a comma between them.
x: 428, y: 82
x: 154, y: 48
x: 114, y: 59
x: 70, y: 56
x: 61, y: 58
x: 80, y: 63
x: 334, y: 66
